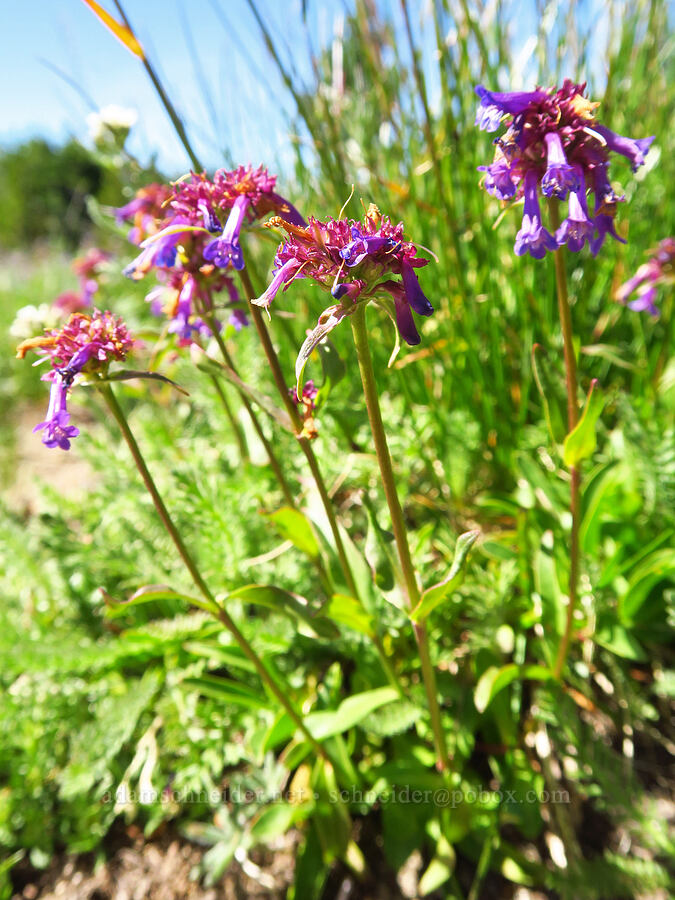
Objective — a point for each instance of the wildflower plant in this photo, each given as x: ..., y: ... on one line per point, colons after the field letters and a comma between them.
x: 553, y: 146
x: 355, y: 262
x: 85, y: 345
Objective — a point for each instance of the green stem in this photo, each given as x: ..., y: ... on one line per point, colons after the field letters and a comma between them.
x: 313, y: 463
x: 358, y: 320
x: 217, y: 610
x: 296, y: 420
x: 271, y: 455
x: 236, y: 430
x: 164, y: 97
x: 565, y: 314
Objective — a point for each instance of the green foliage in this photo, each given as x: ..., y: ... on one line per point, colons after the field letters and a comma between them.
x: 121, y: 699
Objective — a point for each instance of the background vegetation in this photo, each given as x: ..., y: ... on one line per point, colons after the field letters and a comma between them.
x: 156, y: 696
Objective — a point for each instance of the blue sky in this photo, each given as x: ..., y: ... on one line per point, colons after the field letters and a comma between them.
x: 212, y: 60
x: 230, y: 56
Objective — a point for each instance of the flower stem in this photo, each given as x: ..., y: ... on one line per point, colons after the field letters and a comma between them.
x: 236, y: 430
x: 274, y: 462
x: 358, y: 320
x: 281, y: 693
x: 305, y: 445
x: 164, y: 97
x: 572, y: 420
x: 313, y: 463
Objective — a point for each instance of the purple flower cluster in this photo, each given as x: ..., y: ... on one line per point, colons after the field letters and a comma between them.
x: 182, y: 237
x: 356, y: 262
x: 659, y: 270
x: 553, y: 144
x: 84, y: 344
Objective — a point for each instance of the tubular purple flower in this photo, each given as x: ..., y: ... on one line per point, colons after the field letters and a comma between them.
x: 413, y: 292
x: 498, y: 180
x: 494, y: 105
x: 634, y: 150
x: 286, y: 210
x: 226, y: 249
x: 533, y: 238
x: 350, y: 289
x: 57, y: 430
x: 577, y: 227
x: 282, y: 276
x: 559, y: 177
x: 404, y: 317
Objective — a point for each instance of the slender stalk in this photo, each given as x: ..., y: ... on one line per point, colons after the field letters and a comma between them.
x: 164, y: 97
x: 236, y: 430
x: 217, y: 610
x: 313, y: 463
x: 358, y: 320
x: 269, y: 449
x: 305, y: 445
x: 572, y: 419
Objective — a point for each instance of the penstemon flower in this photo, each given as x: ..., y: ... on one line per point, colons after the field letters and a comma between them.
x: 193, y: 242
x: 554, y: 145
x: 355, y: 262
x: 85, y: 344
x: 659, y: 270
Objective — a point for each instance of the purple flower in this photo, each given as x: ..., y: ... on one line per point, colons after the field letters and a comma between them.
x: 57, y: 431
x: 414, y: 294
x: 498, y: 177
x: 226, y: 249
x: 405, y: 322
x: 553, y: 141
x: 363, y: 245
x: 283, y: 275
x: 533, y: 238
x: 493, y: 105
x: 559, y: 177
x: 634, y: 150
x: 577, y: 227
x: 657, y: 271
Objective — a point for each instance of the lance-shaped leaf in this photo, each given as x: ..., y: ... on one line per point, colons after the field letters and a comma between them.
x: 151, y: 592
x: 277, y: 598
x: 496, y: 678
x: 581, y: 441
x: 296, y: 527
x: 207, y: 364
x: 120, y: 30
x: 129, y: 374
x: 435, y: 595
x: 328, y: 320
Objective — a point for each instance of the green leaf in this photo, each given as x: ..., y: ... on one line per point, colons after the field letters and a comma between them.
x: 128, y: 374
x: 496, y: 678
x: 351, y: 712
x: 633, y: 607
x: 434, y: 596
x: 152, y: 592
x: 275, y: 820
x: 581, y: 441
x: 277, y: 598
x: 227, y: 690
x: 295, y: 527
x: 379, y: 550
x: 348, y: 611
x: 620, y: 641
